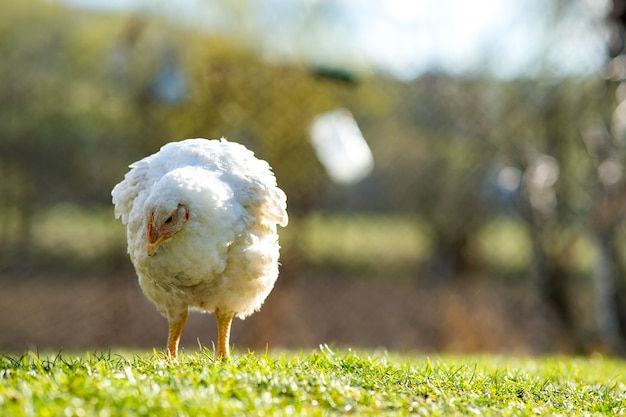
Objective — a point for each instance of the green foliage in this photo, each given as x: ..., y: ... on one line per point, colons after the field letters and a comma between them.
x: 79, y: 101
x: 324, y: 382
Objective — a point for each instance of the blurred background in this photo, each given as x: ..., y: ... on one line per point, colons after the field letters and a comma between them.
x: 454, y: 170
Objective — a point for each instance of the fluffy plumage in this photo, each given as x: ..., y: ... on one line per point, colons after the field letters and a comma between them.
x: 201, y: 220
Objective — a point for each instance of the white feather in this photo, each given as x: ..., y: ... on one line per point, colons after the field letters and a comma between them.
x: 226, y: 255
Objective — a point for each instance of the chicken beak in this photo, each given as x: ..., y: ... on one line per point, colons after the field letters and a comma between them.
x: 151, y: 247
x: 153, y: 238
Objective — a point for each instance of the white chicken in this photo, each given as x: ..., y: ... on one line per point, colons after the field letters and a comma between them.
x: 201, y: 220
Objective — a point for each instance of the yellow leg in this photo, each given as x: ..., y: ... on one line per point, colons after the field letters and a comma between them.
x: 224, y: 320
x: 175, y: 330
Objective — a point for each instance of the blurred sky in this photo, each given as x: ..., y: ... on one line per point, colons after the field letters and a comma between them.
x: 506, y: 38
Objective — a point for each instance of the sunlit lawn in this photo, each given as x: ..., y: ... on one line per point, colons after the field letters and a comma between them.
x: 369, y: 242
x: 374, y: 241
x: 324, y: 382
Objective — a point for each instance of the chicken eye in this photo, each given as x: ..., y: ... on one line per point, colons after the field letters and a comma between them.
x: 169, y: 220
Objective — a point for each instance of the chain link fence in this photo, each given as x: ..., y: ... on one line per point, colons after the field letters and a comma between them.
x: 490, y: 219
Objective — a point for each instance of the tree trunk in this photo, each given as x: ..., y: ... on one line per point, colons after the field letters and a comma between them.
x: 604, y: 285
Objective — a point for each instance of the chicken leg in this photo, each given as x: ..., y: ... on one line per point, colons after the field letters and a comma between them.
x: 224, y: 320
x: 175, y: 330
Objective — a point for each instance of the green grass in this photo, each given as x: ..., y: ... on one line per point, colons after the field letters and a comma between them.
x: 320, y: 383
x: 371, y: 241
x: 367, y: 242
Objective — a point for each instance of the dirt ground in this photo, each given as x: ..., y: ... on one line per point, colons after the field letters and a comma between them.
x: 102, y: 312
